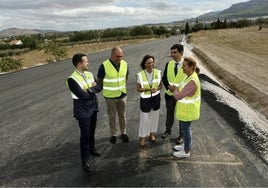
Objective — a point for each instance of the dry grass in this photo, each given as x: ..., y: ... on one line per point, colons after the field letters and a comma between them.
x: 242, y: 52
x: 39, y: 57
x: 249, y: 40
x: 239, y: 57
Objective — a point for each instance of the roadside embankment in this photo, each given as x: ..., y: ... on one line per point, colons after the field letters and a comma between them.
x: 252, y: 95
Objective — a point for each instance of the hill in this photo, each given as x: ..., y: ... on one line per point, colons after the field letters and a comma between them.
x: 16, y: 32
x: 239, y: 58
x: 253, y: 8
x: 10, y: 32
x: 243, y: 10
x: 249, y: 9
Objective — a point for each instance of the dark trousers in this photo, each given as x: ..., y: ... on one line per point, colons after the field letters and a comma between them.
x: 170, y: 106
x: 87, y: 135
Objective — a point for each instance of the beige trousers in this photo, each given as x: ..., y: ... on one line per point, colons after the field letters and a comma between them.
x: 117, y: 106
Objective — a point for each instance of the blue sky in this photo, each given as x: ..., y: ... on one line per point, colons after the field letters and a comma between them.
x: 76, y: 15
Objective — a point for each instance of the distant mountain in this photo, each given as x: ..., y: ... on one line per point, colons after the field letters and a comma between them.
x: 249, y: 9
x: 17, y: 32
x: 210, y: 14
x: 253, y: 8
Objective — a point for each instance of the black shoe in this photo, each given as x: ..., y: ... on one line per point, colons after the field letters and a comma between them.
x: 95, y: 153
x: 166, y: 134
x: 85, y: 166
x: 179, y: 140
x: 113, y: 139
x: 124, y: 137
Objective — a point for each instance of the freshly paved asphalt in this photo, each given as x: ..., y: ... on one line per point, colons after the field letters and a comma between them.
x: 40, y: 139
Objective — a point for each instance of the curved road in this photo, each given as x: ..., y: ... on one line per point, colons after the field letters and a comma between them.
x: 40, y: 139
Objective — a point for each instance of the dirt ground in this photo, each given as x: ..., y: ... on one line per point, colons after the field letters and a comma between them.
x: 239, y: 58
x: 37, y: 57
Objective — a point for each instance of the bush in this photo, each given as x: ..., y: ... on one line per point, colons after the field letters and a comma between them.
x: 59, y: 52
x: 9, y: 64
x: 11, y: 52
x: 141, y: 30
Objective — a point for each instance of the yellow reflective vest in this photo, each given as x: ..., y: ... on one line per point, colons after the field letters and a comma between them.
x: 145, y: 83
x: 114, y: 82
x: 188, y: 108
x: 83, y: 83
x: 171, y: 76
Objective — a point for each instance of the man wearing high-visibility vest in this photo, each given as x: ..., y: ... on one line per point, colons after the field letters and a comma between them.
x: 83, y: 88
x: 188, y: 96
x: 113, y: 75
x: 172, y: 77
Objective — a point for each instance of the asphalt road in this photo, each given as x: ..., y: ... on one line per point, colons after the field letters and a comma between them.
x: 40, y: 138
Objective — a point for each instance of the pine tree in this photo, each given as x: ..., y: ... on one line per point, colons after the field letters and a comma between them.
x: 187, y: 28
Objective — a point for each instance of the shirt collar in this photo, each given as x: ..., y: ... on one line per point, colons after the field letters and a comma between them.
x: 81, y: 73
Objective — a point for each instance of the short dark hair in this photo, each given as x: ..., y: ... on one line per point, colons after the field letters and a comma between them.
x: 145, y: 59
x: 77, y: 58
x: 179, y: 47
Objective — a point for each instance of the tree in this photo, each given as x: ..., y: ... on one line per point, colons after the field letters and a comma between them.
x: 141, y: 30
x: 115, y: 33
x: 197, y: 27
x: 218, y: 24
x: 30, y: 42
x: 187, y: 28
x: 260, y: 22
x: 81, y: 36
x: 174, y: 30
x: 224, y: 25
x: 59, y: 52
x: 107, y: 33
x: 159, y: 31
x: 243, y: 23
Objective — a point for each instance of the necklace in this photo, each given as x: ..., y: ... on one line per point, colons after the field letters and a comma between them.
x: 149, y: 77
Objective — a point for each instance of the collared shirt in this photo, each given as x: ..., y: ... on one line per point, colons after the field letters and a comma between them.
x: 101, y: 72
x: 164, y: 78
x: 87, y: 103
x: 149, y: 76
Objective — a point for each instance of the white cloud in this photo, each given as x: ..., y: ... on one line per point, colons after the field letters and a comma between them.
x: 67, y: 15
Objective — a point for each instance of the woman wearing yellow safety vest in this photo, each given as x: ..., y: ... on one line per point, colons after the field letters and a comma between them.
x: 149, y: 84
x: 188, y: 97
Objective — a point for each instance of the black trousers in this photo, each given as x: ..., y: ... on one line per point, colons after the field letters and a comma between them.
x: 170, y: 106
x: 87, y: 135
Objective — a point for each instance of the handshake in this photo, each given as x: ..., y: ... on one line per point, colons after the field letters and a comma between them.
x: 172, y: 88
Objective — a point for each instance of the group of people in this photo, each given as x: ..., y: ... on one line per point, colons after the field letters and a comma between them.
x: 182, y: 97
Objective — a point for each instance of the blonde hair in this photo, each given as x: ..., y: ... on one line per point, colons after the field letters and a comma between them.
x: 191, y: 62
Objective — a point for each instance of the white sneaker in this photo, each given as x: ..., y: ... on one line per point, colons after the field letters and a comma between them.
x: 181, y: 154
x: 179, y: 147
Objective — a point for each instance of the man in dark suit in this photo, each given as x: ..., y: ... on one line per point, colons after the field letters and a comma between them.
x: 83, y: 88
